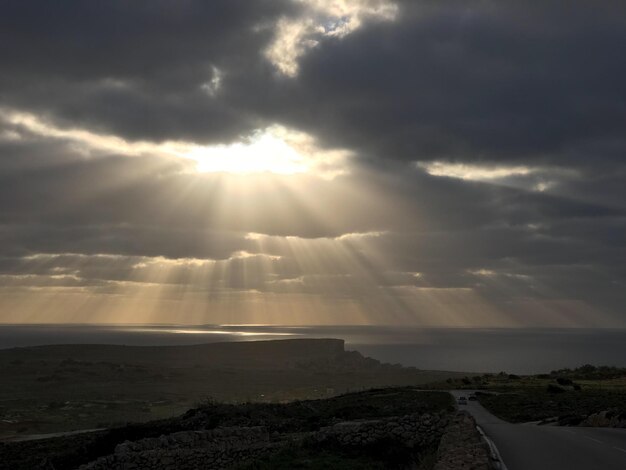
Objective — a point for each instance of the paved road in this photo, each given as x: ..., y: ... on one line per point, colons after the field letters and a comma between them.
x: 36, y: 437
x: 531, y: 447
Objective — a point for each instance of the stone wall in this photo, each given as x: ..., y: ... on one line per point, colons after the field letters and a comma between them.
x: 462, y: 447
x: 219, y: 439
x: 219, y: 448
x: 614, y: 418
x: 415, y: 430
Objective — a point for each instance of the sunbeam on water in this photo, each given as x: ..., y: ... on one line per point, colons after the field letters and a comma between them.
x: 201, y: 331
x: 517, y: 350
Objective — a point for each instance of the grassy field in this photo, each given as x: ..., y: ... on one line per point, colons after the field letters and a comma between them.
x: 565, y: 396
x: 537, y: 404
x: 52, y: 389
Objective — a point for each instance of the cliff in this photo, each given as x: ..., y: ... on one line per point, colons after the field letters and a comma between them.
x: 246, y: 354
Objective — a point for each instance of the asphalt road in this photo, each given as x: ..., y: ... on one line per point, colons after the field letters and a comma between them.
x: 532, y: 447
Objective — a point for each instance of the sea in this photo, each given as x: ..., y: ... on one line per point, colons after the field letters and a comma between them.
x: 513, y: 350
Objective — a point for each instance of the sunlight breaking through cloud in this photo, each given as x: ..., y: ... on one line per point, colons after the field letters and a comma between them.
x: 475, y: 172
x: 321, y: 19
x: 274, y: 149
x: 313, y: 161
x: 531, y: 178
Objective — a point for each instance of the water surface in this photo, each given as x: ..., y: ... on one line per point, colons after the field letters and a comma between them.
x: 460, y: 349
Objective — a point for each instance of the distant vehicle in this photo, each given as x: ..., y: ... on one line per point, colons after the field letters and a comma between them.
x: 462, y: 401
x: 472, y: 398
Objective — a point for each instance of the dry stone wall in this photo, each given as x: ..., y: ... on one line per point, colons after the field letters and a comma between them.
x: 219, y: 439
x: 415, y: 430
x: 215, y: 449
x: 613, y: 418
x: 462, y: 447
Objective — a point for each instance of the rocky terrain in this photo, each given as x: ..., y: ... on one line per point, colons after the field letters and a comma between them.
x: 462, y: 446
x: 613, y: 418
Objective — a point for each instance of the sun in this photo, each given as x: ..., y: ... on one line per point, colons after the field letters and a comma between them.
x: 274, y: 149
x: 265, y: 151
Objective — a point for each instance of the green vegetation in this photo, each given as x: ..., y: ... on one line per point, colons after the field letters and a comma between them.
x: 295, y: 417
x: 384, y: 454
x: 566, y: 396
x: 570, y: 407
x: 589, y: 372
x: 309, y: 415
x: 64, y: 388
x: 381, y: 456
x: 314, y: 459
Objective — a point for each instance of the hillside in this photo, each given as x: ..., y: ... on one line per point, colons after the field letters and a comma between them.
x: 70, y: 387
x: 242, y: 355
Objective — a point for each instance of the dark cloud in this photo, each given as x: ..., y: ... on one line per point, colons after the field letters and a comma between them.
x: 474, y: 81
x: 536, y: 86
x: 134, y: 70
x: 455, y: 80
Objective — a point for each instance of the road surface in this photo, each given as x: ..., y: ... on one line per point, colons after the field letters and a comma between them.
x: 532, y: 447
x: 36, y: 437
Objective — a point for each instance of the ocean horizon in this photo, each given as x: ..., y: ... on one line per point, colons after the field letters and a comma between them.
x: 514, y: 350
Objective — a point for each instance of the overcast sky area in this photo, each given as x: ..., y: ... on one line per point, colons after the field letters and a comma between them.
x: 419, y: 162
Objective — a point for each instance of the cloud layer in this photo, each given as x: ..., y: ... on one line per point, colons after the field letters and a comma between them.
x: 462, y: 163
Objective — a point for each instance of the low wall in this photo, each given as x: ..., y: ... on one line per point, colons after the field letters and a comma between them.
x: 219, y: 448
x: 416, y: 430
x: 217, y: 439
x: 614, y: 418
x: 462, y: 446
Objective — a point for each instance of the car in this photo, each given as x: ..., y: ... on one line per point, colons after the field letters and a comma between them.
x: 472, y: 397
x: 462, y: 401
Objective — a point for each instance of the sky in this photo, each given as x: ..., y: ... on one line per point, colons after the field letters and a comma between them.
x: 323, y: 162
